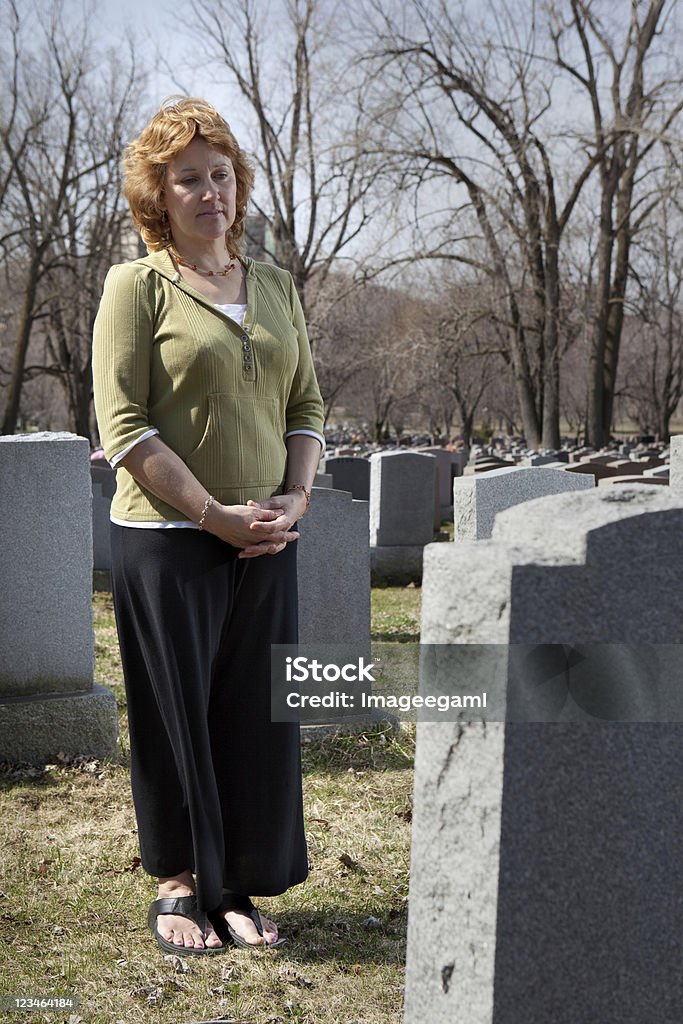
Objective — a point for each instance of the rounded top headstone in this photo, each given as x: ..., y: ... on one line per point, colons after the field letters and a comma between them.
x: 558, y: 526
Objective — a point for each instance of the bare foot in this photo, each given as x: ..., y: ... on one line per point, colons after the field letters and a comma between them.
x: 242, y: 925
x: 180, y: 930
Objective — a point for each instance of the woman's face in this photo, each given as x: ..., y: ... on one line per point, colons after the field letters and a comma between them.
x: 199, y: 195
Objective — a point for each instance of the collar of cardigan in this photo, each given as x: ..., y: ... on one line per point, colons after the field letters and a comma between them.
x: 162, y: 263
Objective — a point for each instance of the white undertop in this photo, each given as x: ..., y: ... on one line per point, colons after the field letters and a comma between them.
x: 235, y: 310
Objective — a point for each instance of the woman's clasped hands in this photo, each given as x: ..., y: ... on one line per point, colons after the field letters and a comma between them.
x: 259, y: 527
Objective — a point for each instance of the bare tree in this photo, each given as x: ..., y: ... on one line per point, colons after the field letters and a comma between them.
x: 480, y: 118
x: 316, y: 181
x: 472, y: 108
x: 653, y: 365
x: 342, y: 336
x: 96, y: 232
x: 465, y: 353
x: 61, y: 132
x: 391, y: 344
x: 633, y: 113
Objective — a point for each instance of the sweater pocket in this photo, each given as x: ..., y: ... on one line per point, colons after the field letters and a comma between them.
x: 242, y: 444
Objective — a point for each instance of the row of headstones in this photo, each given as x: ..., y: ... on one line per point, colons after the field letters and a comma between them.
x: 409, y: 494
x: 479, y: 498
x: 399, y: 487
x: 47, y: 562
x: 546, y: 854
x: 546, y: 871
x: 403, y: 493
x: 607, y: 467
x: 50, y: 703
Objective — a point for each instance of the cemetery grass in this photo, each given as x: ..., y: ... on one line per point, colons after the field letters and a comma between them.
x: 74, y: 897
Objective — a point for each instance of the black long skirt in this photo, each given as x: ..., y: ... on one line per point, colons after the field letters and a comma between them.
x: 216, y: 784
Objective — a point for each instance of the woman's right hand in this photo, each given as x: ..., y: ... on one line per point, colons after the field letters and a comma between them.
x: 256, y: 531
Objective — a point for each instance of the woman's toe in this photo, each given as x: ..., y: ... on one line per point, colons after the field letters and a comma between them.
x: 270, y: 932
x: 245, y: 928
x: 212, y: 940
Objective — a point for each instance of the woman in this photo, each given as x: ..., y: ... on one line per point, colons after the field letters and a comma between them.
x: 209, y: 410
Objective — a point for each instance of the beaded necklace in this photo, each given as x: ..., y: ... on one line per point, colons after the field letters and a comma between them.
x: 228, y: 269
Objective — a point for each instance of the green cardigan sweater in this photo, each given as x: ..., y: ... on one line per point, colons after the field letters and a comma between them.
x: 221, y: 396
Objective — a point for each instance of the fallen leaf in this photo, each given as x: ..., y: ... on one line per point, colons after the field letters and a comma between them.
x: 177, y: 963
x: 351, y: 864
x: 292, y: 978
x: 323, y: 822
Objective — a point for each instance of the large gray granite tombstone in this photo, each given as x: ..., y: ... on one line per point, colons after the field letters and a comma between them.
x: 334, y: 569
x: 676, y: 464
x: 402, y: 493
x: 350, y: 473
x: 49, y: 704
x: 460, y: 459
x: 477, y: 500
x: 333, y: 563
x: 546, y: 876
x: 446, y: 471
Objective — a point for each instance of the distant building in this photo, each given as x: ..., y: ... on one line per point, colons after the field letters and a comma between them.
x: 260, y: 244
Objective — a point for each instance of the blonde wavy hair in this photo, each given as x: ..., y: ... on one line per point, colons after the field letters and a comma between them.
x: 178, y: 122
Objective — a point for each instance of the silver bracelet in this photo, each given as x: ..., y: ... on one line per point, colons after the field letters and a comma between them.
x: 207, y: 505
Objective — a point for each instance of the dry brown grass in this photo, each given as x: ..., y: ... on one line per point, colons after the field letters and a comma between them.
x: 74, y: 899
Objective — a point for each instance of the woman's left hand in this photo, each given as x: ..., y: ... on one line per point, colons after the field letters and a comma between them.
x: 290, y: 508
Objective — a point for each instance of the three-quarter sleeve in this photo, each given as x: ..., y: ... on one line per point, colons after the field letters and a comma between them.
x: 305, y: 410
x: 123, y: 337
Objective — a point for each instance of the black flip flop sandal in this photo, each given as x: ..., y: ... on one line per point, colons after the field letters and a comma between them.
x: 233, y: 901
x: 182, y: 906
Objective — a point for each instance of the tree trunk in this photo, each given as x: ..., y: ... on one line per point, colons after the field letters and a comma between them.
x: 551, y: 389
x: 11, y: 414
x: 525, y: 394
x: 615, y: 313
x: 82, y: 410
x: 595, y: 428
